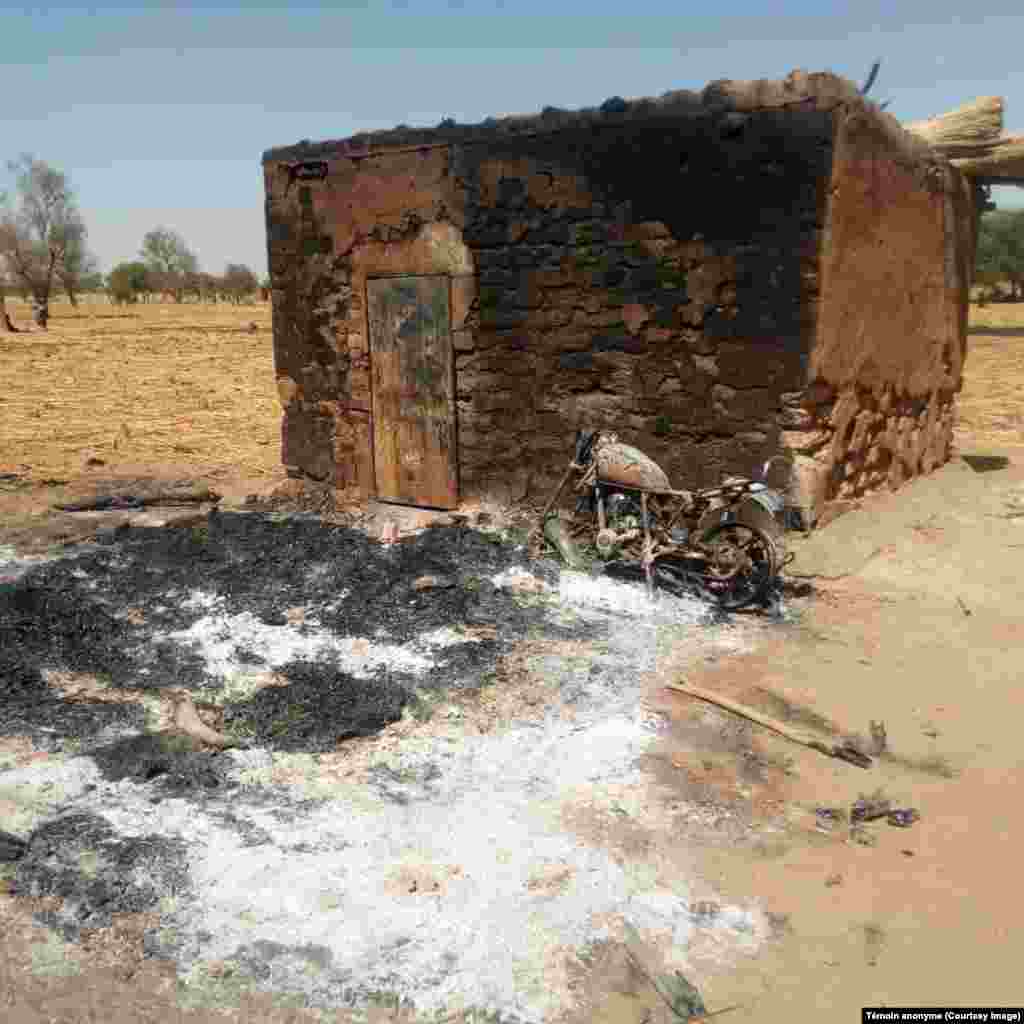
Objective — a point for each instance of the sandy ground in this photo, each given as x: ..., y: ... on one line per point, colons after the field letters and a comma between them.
x: 915, y: 623
x: 923, y: 632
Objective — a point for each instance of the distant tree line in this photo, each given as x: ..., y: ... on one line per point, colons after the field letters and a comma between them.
x: 43, y: 249
x: 999, y: 269
x: 167, y: 267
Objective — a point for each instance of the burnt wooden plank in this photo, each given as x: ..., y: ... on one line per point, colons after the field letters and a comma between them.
x: 413, y: 390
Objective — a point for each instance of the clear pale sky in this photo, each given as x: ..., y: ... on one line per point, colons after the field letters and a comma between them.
x: 160, y: 113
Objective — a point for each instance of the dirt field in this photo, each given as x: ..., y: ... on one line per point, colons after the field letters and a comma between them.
x: 915, y: 622
x: 111, y: 395
x: 991, y: 405
x: 173, y: 385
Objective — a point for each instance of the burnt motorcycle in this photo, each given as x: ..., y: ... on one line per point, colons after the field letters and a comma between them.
x: 723, y: 542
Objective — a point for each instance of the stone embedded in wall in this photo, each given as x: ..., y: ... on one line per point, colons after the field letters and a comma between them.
x: 707, y: 365
x: 635, y: 316
x: 463, y: 342
x: 863, y: 422
x: 805, y: 442
x: 707, y: 280
x: 863, y: 441
x: 809, y: 487
x: 464, y: 300
x: 308, y: 443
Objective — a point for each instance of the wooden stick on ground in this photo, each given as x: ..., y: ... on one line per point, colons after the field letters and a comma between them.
x: 845, y: 751
x: 116, y: 502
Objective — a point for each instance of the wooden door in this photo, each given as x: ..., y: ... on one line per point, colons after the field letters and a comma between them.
x: 413, y: 396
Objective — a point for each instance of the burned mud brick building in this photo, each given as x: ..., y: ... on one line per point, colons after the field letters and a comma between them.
x: 765, y: 267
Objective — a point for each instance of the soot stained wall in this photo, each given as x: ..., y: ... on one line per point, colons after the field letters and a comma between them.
x: 699, y: 273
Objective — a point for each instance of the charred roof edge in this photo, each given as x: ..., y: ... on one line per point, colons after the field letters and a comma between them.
x: 799, y: 90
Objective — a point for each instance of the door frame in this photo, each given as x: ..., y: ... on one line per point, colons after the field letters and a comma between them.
x: 391, y: 275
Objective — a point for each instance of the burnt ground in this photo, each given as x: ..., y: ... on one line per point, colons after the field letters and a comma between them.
x: 70, y: 614
x: 133, y: 608
x: 96, y: 873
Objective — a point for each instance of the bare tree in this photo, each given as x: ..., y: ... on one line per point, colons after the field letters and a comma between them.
x: 42, y: 235
x: 169, y: 260
x: 5, y: 320
x: 79, y: 270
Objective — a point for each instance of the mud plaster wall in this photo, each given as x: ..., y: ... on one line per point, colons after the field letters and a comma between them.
x: 700, y: 273
x: 640, y: 275
x: 889, y: 355
x: 374, y: 217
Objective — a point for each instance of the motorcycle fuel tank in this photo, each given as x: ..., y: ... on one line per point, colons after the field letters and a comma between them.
x: 622, y: 464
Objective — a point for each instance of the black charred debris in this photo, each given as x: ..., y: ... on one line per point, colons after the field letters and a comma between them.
x: 124, y: 875
x: 72, y: 614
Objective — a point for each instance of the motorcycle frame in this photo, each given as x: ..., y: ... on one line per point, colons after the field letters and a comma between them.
x: 690, y: 508
x: 687, y: 508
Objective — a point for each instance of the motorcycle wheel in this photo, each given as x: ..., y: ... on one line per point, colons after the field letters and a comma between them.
x: 740, y: 570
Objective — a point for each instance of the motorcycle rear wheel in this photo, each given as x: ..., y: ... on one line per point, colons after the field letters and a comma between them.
x: 741, y: 567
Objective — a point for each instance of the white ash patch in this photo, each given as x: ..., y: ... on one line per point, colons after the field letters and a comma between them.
x: 486, y: 819
x: 248, y: 761
x: 481, y: 824
x: 516, y: 578
x: 222, y: 639
x: 602, y: 593
x: 484, y: 816
x: 644, y: 632
x: 446, y: 636
x: 34, y: 793
x: 218, y: 639
x: 13, y: 566
x: 199, y: 601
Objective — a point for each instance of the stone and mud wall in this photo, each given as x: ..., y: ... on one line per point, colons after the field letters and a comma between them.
x: 718, y: 277
x: 888, y: 357
x: 382, y: 215
x: 647, y: 278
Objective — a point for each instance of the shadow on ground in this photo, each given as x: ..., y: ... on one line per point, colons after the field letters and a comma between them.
x: 986, y: 463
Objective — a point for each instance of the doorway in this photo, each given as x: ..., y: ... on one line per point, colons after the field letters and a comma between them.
x: 412, y: 375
